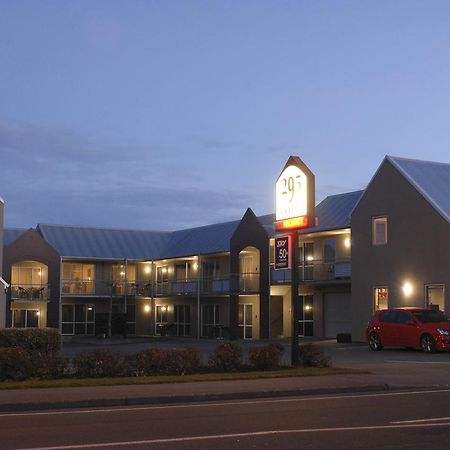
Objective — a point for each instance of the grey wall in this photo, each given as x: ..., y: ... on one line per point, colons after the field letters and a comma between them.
x: 418, y: 247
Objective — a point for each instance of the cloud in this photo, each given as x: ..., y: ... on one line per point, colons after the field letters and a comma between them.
x: 58, y: 176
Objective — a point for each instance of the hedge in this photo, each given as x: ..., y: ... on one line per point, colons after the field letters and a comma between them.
x: 42, y: 340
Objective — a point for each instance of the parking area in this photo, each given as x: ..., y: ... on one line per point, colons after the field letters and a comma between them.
x: 397, y: 363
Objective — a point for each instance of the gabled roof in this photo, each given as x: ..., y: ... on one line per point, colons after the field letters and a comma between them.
x: 91, y: 242
x: 332, y: 213
x: 107, y: 243
x: 431, y: 179
x: 201, y: 240
x: 11, y: 234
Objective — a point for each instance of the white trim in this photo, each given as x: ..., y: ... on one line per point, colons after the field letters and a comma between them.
x: 5, y: 284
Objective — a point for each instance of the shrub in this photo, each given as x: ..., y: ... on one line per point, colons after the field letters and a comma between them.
x: 43, y: 340
x: 313, y: 356
x: 267, y: 357
x: 182, y: 361
x: 148, y: 362
x: 227, y: 357
x: 15, y: 364
x: 99, y: 363
x: 49, y: 365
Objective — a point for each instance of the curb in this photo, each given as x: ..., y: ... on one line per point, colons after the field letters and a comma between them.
x: 195, y: 398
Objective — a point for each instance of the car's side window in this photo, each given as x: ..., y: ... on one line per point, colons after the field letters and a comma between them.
x: 388, y: 316
x: 403, y: 317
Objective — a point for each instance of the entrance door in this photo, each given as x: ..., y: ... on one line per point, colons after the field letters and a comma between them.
x: 306, y: 321
x: 435, y: 296
x: 245, y: 321
x: 182, y: 319
x: 276, y: 316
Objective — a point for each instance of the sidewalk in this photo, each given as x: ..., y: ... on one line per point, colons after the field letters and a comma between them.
x: 77, y: 397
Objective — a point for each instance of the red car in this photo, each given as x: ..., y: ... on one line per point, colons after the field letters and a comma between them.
x: 428, y: 329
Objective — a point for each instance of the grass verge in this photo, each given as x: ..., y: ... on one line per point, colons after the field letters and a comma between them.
x: 77, y: 382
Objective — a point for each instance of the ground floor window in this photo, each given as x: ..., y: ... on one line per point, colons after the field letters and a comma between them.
x: 162, y: 319
x: 210, y: 320
x: 245, y: 322
x: 434, y: 294
x: 131, y: 319
x: 182, y: 320
x: 78, y: 319
x: 306, y: 320
x: 381, y: 298
x: 25, y: 318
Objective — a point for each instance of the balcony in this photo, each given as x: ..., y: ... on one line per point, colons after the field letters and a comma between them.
x: 339, y: 270
x: 30, y: 293
x: 78, y: 287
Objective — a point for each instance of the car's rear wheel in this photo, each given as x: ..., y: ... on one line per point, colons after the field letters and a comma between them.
x: 427, y: 344
x: 375, y: 341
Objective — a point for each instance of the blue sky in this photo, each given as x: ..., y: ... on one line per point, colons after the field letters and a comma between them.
x: 171, y: 114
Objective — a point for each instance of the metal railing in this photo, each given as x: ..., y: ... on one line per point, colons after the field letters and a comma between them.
x: 71, y: 287
x: 30, y: 292
x: 315, y: 270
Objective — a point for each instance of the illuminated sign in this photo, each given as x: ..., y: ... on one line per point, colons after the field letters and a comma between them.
x: 282, y: 252
x: 294, y: 196
x: 291, y: 194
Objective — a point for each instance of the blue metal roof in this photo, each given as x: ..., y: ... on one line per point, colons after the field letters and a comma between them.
x: 11, y: 234
x: 332, y: 213
x: 89, y: 242
x: 106, y: 243
x: 431, y: 179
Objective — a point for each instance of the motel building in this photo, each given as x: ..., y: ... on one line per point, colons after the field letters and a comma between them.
x: 357, y: 252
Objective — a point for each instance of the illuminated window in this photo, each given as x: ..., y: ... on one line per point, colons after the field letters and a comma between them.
x: 380, y: 298
x: 78, y: 279
x: 379, y: 231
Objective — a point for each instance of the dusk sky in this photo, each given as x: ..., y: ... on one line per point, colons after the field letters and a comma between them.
x: 164, y: 115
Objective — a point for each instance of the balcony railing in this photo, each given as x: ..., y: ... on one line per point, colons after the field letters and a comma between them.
x: 30, y: 292
x: 315, y: 270
x: 70, y: 287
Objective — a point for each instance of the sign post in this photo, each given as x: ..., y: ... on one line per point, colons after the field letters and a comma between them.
x: 295, y: 209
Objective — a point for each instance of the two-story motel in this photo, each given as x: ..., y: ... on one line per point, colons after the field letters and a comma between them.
x: 384, y: 246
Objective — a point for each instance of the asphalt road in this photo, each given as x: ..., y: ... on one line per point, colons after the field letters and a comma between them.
x: 389, y: 420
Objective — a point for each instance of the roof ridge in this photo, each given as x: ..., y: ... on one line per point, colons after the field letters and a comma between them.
x: 402, y: 158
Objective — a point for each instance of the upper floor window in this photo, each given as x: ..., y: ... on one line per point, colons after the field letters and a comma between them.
x: 379, y: 231
x: 78, y: 278
x: 329, y: 250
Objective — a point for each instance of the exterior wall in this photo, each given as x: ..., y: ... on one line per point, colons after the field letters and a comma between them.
x: 31, y: 247
x: 417, y: 248
x: 250, y: 233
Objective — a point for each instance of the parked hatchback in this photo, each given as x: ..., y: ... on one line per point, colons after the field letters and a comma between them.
x: 428, y: 329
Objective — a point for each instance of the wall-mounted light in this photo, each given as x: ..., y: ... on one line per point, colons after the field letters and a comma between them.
x: 309, y: 258
x: 407, y: 288
x: 147, y: 269
x: 38, y: 313
x: 195, y: 266
x: 147, y: 308
x: 122, y: 273
x: 89, y: 308
x: 308, y: 307
x: 164, y: 270
x: 347, y: 242
x: 164, y: 309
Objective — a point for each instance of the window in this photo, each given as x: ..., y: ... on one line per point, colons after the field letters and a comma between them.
x: 25, y: 318
x: 78, y: 279
x: 380, y: 298
x: 306, y: 260
x: 379, y: 231
x: 78, y: 319
x: 123, y: 278
x: 435, y: 296
x: 306, y: 319
x: 210, y: 320
x: 329, y: 250
x: 162, y: 318
x: 182, y: 320
x: 131, y: 319
x: 388, y: 316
